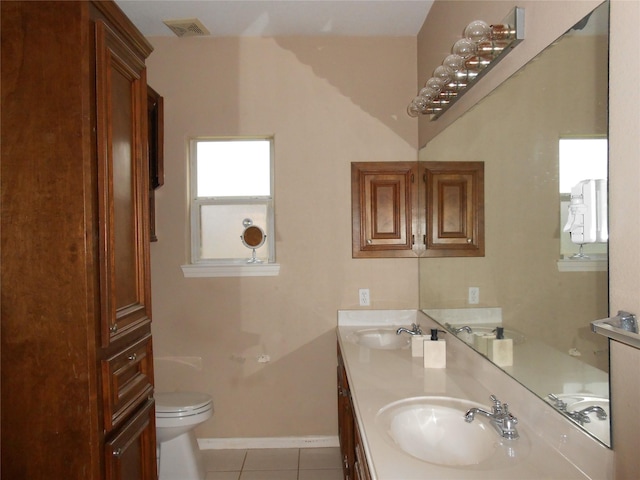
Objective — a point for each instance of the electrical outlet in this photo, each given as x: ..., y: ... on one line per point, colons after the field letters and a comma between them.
x: 363, y: 294
x: 474, y: 295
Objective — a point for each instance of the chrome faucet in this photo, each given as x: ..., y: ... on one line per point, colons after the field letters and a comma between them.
x: 455, y: 330
x: 466, y: 328
x: 501, y: 419
x: 415, y: 330
x: 559, y: 403
x: 582, y: 416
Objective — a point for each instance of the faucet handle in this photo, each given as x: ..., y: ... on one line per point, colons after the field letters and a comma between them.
x: 497, y: 404
x: 559, y: 404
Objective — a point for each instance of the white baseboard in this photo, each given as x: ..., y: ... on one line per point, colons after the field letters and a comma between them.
x: 314, y: 441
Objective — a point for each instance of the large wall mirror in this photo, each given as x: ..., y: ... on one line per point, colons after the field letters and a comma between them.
x: 530, y: 281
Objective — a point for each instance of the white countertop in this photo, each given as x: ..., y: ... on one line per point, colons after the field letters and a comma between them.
x: 379, y: 377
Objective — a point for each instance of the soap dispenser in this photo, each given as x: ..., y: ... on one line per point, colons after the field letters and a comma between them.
x: 435, y: 351
x: 500, y: 349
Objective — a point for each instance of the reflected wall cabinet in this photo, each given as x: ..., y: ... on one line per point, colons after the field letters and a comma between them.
x: 411, y: 209
x: 77, y: 354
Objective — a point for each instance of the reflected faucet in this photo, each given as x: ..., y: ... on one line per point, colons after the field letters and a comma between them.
x: 582, y: 416
x: 466, y: 328
x: 455, y: 330
x: 501, y: 419
x: 415, y: 330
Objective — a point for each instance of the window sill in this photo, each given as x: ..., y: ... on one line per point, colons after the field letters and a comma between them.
x: 591, y: 265
x: 231, y: 270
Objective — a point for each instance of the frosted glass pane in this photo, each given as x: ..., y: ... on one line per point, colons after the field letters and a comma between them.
x: 221, y: 228
x: 581, y: 159
x: 234, y: 168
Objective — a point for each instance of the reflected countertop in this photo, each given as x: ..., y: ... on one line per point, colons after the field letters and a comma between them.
x: 378, y: 377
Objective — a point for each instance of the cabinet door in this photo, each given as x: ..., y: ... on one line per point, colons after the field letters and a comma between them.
x: 122, y: 185
x: 454, y: 209
x: 131, y: 454
x: 361, y: 466
x: 382, y: 200
x: 346, y: 428
x: 155, y: 123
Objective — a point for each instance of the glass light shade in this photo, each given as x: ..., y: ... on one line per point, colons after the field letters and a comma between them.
x: 443, y: 73
x: 419, y: 102
x: 477, y: 31
x: 435, y: 84
x: 454, y: 62
x: 464, y: 47
x: 412, y: 110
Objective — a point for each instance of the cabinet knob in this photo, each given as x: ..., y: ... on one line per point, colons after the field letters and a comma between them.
x: 113, y: 328
x: 369, y: 241
x: 469, y: 240
x: 132, y: 357
x: 117, y: 452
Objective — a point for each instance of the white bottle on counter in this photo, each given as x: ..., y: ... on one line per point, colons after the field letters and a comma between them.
x: 481, y: 342
x: 500, y: 350
x: 435, y: 351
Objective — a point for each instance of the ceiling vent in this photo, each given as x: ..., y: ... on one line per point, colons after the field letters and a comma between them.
x: 188, y: 27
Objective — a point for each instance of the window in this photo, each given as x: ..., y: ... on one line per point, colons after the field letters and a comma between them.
x: 231, y: 188
x: 580, y: 160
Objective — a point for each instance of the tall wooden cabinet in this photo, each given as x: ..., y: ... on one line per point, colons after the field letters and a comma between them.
x: 76, y: 345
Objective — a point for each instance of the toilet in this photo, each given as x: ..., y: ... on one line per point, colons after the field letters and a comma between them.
x: 177, y: 414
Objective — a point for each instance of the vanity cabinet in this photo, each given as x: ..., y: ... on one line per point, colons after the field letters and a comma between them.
x: 361, y: 467
x: 394, y: 215
x: 77, y: 355
x: 346, y: 422
x: 354, y: 463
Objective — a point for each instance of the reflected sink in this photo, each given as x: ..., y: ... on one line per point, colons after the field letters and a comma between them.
x: 433, y: 429
x: 380, y: 338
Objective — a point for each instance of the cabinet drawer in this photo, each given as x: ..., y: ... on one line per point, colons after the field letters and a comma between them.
x: 126, y: 381
x: 131, y: 454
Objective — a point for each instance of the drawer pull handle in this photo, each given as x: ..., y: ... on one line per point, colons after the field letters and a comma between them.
x: 132, y: 357
x: 113, y: 328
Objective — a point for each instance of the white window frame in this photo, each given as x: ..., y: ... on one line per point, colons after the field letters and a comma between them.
x: 228, y: 267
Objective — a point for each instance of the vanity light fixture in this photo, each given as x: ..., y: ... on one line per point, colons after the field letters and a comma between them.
x: 481, y: 48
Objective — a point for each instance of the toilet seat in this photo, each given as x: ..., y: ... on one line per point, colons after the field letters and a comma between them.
x: 182, y: 404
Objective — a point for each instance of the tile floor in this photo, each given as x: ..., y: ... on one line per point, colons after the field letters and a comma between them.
x: 274, y: 464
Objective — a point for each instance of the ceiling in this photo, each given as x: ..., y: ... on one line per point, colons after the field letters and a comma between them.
x: 273, y: 18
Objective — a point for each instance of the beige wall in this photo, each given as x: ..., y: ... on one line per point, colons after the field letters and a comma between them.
x: 624, y: 227
x: 328, y: 102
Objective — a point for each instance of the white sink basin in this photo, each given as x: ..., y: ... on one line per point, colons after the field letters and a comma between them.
x: 380, y: 338
x: 576, y: 402
x: 433, y: 429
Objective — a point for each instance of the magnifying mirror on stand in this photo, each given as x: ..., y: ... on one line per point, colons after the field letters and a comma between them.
x: 252, y: 237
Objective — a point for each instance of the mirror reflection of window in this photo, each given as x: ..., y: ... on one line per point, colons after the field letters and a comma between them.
x: 580, y: 159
